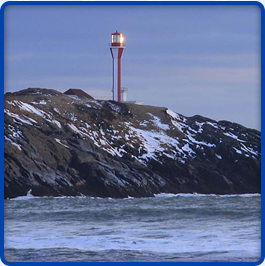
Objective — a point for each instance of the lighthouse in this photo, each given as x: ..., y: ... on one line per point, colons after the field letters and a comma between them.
x: 116, y: 49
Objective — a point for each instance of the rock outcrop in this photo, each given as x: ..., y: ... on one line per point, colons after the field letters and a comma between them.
x: 56, y: 145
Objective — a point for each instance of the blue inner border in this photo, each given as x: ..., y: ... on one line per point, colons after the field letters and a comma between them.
x: 99, y: 3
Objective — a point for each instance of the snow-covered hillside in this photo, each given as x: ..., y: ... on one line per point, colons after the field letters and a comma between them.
x: 56, y: 145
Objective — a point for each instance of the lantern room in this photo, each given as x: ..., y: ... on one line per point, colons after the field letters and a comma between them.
x: 117, y: 39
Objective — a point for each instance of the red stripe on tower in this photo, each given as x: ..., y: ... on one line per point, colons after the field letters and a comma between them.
x: 119, y: 74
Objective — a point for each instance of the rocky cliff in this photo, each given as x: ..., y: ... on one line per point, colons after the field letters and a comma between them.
x: 57, y: 145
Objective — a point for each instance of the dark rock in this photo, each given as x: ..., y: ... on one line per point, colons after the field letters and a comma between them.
x: 56, y: 145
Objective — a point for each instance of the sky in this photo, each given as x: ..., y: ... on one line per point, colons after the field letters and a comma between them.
x: 195, y: 60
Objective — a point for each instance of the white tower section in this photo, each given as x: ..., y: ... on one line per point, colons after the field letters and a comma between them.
x: 124, y: 92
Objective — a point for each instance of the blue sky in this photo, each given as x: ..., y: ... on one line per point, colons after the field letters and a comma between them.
x: 193, y: 59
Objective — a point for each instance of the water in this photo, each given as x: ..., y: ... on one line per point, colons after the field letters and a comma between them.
x: 183, y: 227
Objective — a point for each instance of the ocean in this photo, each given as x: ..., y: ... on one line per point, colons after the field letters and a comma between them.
x: 166, y: 228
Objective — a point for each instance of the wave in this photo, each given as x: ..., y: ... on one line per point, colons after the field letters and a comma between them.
x: 170, y: 242
x: 171, y: 195
x: 29, y: 196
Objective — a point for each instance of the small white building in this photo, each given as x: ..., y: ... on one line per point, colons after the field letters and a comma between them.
x: 124, y: 99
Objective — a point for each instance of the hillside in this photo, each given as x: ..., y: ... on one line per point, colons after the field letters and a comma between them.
x: 56, y: 145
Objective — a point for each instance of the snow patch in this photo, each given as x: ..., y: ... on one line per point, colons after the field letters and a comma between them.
x: 13, y: 143
x: 157, y: 121
x: 41, y: 102
x: 153, y: 143
x: 248, y: 149
x: 143, y: 124
x: 15, y: 132
x: 11, y: 103
x: 200, y: 125
x: 231, y: 135
x: 188, y: 149
x: 59, y: 141
x: 114, y: 107
x: 237, y: 151
x: 73, y: 117
x: 200, y: 142
x: 173, y: 114
x: 31, y: 109
x: 212, y: 124
x: 57, y: 123
x: 56, y: 110
x: 37, y: 92
x: 19, y: 118
x: 218, y: 156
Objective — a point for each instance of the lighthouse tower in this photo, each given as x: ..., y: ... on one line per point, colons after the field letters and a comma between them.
x: 116, y: 49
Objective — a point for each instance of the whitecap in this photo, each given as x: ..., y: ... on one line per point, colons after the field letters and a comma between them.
x: 171, y: 195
